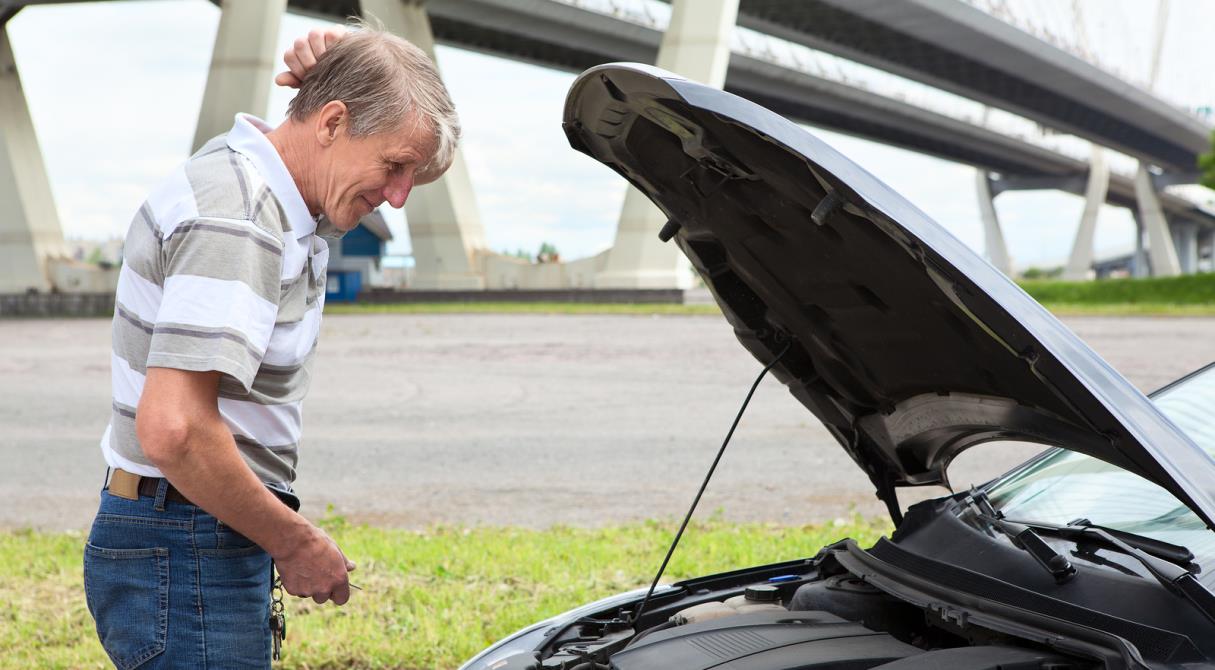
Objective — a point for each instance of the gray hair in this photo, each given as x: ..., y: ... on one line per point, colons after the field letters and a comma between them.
x: 384, y: 81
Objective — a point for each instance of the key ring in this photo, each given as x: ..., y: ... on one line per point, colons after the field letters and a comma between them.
x: 278, y: 617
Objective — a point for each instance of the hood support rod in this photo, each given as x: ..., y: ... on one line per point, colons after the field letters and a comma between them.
x: 712, y: 468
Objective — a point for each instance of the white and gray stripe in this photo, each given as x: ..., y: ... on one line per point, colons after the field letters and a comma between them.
x: 221, y: 272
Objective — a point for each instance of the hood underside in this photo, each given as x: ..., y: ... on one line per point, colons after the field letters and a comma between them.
x: 907, y: 345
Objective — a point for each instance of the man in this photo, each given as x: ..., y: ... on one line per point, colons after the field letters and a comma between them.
x: 216, y: 320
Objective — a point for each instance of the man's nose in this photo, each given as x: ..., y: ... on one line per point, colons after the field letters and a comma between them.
x: 398, y: 190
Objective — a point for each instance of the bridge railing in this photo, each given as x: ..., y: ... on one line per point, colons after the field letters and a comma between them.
x: 800, y: 58
x: 1113, y: 36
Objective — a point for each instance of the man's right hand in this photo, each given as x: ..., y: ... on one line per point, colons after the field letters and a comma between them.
x: 304, y: 53
x: 179, y: 426
x: 314, y: 567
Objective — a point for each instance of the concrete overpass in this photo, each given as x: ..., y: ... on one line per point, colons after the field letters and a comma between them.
x: 446, y: 232
x: 564, y: 36
x: 956, y: 47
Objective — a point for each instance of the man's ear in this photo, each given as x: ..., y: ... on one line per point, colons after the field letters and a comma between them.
x: 330, y: 121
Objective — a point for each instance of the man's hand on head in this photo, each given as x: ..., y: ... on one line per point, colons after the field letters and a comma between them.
x: 304, y: 53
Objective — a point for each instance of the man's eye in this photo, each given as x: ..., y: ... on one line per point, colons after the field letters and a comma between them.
x: 395, y: 167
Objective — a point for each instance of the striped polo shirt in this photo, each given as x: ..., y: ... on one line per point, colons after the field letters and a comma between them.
x: 222, y: 271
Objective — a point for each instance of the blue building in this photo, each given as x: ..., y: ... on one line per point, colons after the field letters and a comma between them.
x: 355, y: 260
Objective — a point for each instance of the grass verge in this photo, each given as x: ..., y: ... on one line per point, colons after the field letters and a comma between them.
x: 519, y: 308
x: 1188, y: 295
x: 430, y: 599
x: 1128, y: 309
x: 1058, y: 307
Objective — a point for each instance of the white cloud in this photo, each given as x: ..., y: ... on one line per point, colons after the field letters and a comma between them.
x: 531, y: 187
x: 113, y: 115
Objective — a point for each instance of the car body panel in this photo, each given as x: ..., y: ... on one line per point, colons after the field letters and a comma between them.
x: 906, y: 344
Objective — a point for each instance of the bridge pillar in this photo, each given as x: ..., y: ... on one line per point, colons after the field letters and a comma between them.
x: 695, y: 45
x: 1185, y: 239
x: 1160, y: 243
x: 445, y: 228
x: 242, y: 65
x: 1205, y: 238
x: 994, y: 247
x: 1139, y: 260
x: 1080, y: 262
x: 29, y: 223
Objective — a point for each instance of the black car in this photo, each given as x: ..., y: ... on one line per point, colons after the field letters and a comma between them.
x: 909, y: 348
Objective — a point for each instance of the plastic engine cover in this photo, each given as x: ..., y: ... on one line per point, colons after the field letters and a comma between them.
x: 765, y: 641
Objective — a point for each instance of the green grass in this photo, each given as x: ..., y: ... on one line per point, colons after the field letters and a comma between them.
x: 519, y: 308
x: 430, y: 599
x: 1128, y: 309
x: 1189, y: 295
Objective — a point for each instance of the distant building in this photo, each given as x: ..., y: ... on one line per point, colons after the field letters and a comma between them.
x: 1115, y: 267
x: 1123, y: 265
x: 356, y: 260
x: 96, y: 252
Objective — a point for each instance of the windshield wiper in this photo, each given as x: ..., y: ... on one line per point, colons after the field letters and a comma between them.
x: 1173, y: 577
x: 1081, y: 530
x: 1023, y: 537
x: 1168, y: 563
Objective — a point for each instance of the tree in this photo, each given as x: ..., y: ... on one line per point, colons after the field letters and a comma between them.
x: 547, y: 254
x: 1206, y: 164
x: 1042, y: 273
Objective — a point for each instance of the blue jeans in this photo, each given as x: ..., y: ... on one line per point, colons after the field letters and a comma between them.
x: 170, y: 586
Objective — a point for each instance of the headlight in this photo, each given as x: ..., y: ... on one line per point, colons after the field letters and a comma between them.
x: 517, y: 648
x: 522, y: 643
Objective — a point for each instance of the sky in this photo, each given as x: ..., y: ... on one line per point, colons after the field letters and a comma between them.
x: 114, y: 90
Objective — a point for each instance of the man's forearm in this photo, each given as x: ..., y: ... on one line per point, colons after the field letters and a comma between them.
x: 207, y: 468
x: 181, y: 431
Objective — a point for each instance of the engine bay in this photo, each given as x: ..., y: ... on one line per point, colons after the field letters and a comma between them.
x: 941, y: 592
x: 808, y: 614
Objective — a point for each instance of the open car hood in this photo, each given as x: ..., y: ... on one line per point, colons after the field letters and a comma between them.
x: 906, y: 344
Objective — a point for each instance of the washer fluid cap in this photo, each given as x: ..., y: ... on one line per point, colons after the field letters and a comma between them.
x: 762, y: 594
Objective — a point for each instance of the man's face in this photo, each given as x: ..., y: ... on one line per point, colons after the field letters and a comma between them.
x: 367, y: 171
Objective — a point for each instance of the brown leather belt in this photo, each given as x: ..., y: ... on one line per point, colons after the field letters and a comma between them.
x: 130, y: 486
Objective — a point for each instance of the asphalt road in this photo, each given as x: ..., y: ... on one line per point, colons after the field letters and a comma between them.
x: 511, y: 419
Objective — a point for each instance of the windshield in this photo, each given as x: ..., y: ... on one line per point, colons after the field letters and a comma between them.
x: 1064, y: 486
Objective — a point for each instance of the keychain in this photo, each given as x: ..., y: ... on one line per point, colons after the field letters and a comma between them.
x: 278, y: 617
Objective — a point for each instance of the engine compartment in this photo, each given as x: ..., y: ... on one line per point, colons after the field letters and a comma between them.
x: 768, y: 639
x: 939, y: 593
x: 821, y: 616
